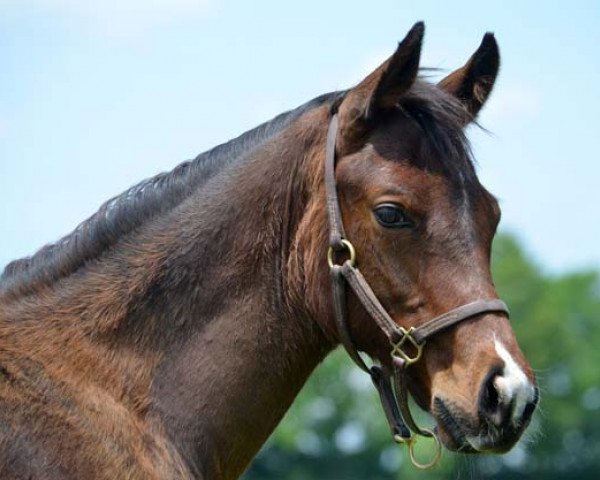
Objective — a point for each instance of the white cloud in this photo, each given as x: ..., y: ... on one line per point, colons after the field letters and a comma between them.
x: 118, y: 17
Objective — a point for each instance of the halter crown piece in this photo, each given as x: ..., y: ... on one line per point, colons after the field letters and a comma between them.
x: 394, y: 400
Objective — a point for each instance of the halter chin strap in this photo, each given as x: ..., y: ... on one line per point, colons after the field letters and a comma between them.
x: 406, y: 345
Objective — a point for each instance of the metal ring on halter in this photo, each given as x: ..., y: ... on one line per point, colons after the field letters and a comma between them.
x: 436, y: 455
x: 347, y: 246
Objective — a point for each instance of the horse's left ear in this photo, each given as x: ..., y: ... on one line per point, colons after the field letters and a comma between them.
x: 473, y: 82
x: 380, y: 91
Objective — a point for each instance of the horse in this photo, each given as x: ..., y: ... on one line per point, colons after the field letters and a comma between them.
x: 167, y: 335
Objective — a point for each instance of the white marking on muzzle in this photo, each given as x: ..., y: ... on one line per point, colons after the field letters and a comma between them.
x: 513, y: 384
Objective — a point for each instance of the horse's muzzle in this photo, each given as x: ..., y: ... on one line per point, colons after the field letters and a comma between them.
x: 503, y: 414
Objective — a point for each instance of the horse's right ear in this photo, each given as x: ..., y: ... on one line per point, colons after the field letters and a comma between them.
x: 382, y: 89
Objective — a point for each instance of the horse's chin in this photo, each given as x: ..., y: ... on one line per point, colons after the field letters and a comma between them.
x: 455, y: 441
x: 457, y: 434
x: 476, y: 445
x: 454, y: 438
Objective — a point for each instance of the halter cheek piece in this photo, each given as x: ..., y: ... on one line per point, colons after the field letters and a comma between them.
x: 394, y: 400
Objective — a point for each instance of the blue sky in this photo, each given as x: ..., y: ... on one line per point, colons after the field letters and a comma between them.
x: 95, y: 96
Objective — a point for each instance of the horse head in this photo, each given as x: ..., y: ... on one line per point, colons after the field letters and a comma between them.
x: 422, y: 226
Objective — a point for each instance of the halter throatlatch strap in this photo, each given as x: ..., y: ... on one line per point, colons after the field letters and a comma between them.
x: 393, y: 400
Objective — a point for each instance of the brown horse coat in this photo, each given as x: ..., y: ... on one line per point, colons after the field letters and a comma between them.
x: 168, y: 334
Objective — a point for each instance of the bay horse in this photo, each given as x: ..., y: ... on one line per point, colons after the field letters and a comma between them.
x: 169, y: 333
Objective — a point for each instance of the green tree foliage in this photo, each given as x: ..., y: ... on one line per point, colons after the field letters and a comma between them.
x: 336, y: 430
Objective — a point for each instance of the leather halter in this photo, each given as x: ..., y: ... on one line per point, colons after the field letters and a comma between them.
x: 394, y: 400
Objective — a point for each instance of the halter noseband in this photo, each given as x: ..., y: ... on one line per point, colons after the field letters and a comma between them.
x: 394, y: 400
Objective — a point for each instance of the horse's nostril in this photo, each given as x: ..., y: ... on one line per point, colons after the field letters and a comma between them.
x: 489, y: 399
x: 530, y: 407
x: 494, y: 407
x: 504, y: 402
x: 528, y: 411
x: 491, y: 396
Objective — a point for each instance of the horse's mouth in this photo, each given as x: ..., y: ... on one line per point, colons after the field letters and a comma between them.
x: 459, y: 434
x: 450, y: 431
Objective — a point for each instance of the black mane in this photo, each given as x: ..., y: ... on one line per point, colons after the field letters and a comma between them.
x: 440, y: 116
x: 124, y: 213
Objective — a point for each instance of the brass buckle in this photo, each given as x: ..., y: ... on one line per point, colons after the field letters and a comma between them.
x: 347, y: 246
x: 407, y: 335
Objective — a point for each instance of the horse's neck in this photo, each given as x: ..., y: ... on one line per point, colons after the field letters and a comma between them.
x: 229, y: 375
x: 223, y: 391
x: 191, y: 323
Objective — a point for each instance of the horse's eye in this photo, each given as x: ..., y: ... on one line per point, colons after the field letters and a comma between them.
x: 391, y: 215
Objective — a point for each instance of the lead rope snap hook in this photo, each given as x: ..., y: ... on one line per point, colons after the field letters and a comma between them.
x: 436, y: 456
